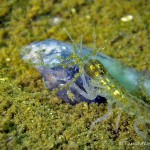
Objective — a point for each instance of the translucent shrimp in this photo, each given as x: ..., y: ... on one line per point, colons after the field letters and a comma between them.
x: 81, y: 75
x: 103, y: 84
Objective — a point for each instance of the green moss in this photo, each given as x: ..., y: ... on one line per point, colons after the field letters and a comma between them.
x: 30, y: 116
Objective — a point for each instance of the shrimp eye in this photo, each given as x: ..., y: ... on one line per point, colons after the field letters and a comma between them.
x: 94, y: 68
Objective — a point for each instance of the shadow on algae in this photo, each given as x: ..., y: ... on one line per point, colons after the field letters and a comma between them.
x: 34, y: 118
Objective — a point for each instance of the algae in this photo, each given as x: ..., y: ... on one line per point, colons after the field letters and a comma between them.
x: 31, y: 117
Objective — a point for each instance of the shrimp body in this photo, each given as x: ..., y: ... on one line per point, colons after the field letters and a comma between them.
x: 103, y: 84
x: 89, y: 77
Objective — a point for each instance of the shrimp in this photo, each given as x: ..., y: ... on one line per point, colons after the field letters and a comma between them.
x: 103, y: 84
x: 81, y: 75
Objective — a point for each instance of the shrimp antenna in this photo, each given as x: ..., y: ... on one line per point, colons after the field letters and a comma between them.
x: 95, y: 38
x: 104, y: 43
x: 74, y: 44
x: 80, y: 49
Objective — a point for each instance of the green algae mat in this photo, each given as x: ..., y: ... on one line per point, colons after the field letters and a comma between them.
x: 31, y: 117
